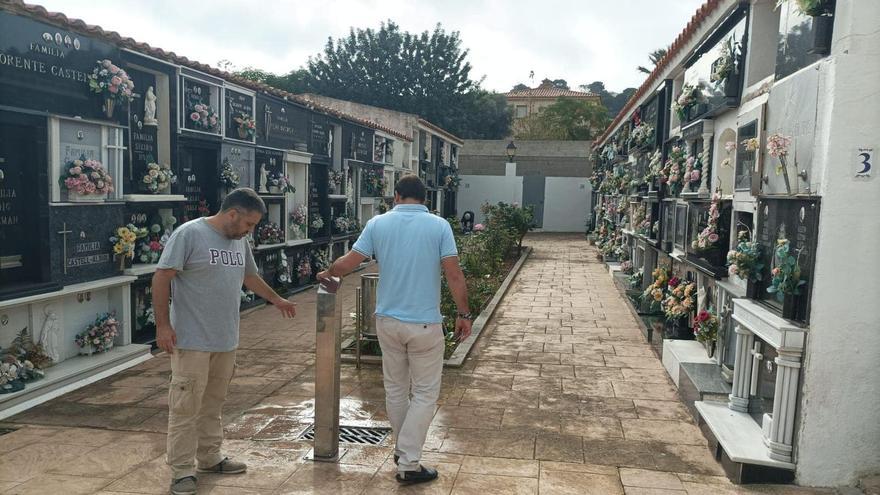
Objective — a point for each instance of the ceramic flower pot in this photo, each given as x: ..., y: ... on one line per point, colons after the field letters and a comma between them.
x: 274, y: 189
x: 242, y: 133
x: 822, y: 29
x: 790, y: 308
x: 91, y: 349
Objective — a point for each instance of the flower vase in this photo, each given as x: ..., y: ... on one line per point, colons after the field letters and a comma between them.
x: 823, y: 26
x: 710, y: 347
x: 678, y: 329
x: 109, y: 107
x: 790, y: 308
x: 274, y: 189
x: 12, y: 387
x: 731, y: 85
x: 242, y: 133
x: 75, y: 197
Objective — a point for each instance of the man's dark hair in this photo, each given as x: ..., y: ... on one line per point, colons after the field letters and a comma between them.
x: 243, y: 199
x: 410, y: 186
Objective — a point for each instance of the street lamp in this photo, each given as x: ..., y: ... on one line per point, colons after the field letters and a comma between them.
x: 511, y: 152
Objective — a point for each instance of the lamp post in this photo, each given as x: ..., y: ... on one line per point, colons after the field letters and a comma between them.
x: 511, y: 152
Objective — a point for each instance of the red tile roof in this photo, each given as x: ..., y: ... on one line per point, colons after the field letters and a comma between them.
x: 677, y: 46
x: 548, y: 92
x: 439, y: 130
x: 56, y: 18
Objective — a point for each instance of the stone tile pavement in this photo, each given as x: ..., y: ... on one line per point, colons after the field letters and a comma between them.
x: 561, y: 395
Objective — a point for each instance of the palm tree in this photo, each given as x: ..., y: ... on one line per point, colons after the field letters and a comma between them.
x: 655, y: 57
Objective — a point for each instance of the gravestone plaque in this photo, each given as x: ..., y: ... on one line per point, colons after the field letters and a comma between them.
x: 46, y: 68
x: 199, y: 180
x: 791, y: 112
x: 798, y: 221
x: 668, y: 225
x: 321, y: 136
x: 238, y: 105
x: 680, y: 226
x: 318, y: 202
x: 357, y: 141
x: 201, y: 93
x: 272, y: 160
x: 84, y: 253
x: 241, y: 159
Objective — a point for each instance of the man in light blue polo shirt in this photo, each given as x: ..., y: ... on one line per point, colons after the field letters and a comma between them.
x: 411, y: 246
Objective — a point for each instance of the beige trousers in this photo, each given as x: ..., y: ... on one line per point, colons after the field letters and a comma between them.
x: 199, y: 381
x: 412, y: 365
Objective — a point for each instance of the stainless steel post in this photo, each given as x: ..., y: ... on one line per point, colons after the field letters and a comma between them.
x: 369, y: 288
x: 327, y: 359
x: 358, y: 321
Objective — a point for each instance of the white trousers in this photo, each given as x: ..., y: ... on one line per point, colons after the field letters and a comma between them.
x: 412, y: 364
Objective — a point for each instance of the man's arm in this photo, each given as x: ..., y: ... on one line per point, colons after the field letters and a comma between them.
x: 259, y: 287
x: 166, y: 338
x: 343, y: 265
x: 458, y: 286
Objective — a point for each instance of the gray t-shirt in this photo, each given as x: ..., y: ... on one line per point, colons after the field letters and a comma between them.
x: 206, y: 293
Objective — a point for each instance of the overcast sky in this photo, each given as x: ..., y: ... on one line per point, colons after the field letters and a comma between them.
x: 580, y: 41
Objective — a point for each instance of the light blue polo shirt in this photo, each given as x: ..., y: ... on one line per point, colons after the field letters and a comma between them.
x: 409, y: 243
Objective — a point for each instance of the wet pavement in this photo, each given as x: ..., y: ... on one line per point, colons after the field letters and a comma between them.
x: 561, y: 395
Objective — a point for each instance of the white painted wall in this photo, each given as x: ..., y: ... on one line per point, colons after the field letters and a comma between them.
x: 839, y: 431
x: 566, y: 204
x: 475, y: 190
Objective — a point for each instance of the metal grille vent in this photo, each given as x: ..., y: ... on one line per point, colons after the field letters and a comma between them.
x: 353, y: 434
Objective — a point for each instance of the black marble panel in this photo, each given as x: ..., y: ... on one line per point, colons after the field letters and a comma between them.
x: 88, y: 254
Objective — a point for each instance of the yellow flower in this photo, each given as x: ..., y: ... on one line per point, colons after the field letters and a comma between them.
x: 121, y: 231
x: 117, y: 249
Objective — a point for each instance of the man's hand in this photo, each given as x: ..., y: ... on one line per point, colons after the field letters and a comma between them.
x: 321, y: 276
x: 287, y: 308
x: 462, y: 329
x: 166, y: 339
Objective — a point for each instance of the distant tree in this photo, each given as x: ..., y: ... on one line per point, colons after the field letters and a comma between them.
x: 426, y: 74
x: 655, y: 57
x: 567, y: 119
x: 520, y: 87
x: 614, y: 102
x: 560, y: 83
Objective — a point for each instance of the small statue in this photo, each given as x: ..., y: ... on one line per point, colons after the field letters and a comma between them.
x: 467, y: 222
x: 150, y: 108
x: 264, y: 175
x: 50, y: 334
x: 330, y: 142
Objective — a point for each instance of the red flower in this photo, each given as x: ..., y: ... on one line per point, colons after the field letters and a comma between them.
x: 674, y: 281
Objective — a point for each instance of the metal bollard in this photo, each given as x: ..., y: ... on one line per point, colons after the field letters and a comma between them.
x: 327, y: 358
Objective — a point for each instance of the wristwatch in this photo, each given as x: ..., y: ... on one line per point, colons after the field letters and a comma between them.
x: 465, y: 316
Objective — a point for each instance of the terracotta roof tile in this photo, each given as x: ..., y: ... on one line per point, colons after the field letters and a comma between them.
x: 542, y: 92
x: 680, y: 42
x: 40, y: 13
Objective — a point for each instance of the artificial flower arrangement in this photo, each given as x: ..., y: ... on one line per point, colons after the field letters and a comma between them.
x: 317, y: 222
x: 707, y: 240
x: 86, y: 177
x: 693, y: 168
x: 680, y: 299
x: 706, y: 326
x: 147, y: 319
x: 202, y: 209
x: 626, y: 267
x: 811, y: 8
x: 671, y: 173
x: 374, y: 181
x: 281, y: 181
x: 282, y: 269
x: 98, y: 336
x: 745, y: 260
x: 382, y: 207
x: 724, y: 66
x: 247, y: 127
x: 655, y: 165
x: 204, y: 117
x: 751, y: 144
x: 451, y: 182
x: 304, y: 270
x: 635, y: 280
x: 158, y: 177
x: 124, y: 238
x: 321, y: 259
x: 786, y: 274
x: 150, y: 250
x: 246, y: 296
x: 657, y: 290
x: 112, y: 83
x: 336, y: 177
x: 228, y: 176
x: 777, y: 147
x: 641, y: 135
x: 690, y: 96
x: 728, y: 148
x: 10, y: 376
x: 345, y: 224
x: 298, y: 218
x: 26, y: 351
x: 270, y: 233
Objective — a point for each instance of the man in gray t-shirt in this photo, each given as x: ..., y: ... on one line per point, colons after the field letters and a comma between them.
x: 202, y: 269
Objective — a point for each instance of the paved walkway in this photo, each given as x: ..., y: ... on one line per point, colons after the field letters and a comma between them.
x: 561, y: 396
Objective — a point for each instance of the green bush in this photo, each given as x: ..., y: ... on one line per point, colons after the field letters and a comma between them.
x: 512, y: 218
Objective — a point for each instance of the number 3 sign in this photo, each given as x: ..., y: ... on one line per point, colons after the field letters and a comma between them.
x: 864, y: 163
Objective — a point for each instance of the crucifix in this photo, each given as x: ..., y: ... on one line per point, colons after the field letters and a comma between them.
x: 267, y: 118
x: 64, y: 231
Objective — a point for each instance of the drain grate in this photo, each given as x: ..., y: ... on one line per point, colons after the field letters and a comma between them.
x: 353, y: 434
